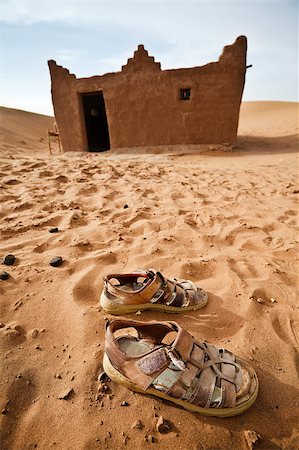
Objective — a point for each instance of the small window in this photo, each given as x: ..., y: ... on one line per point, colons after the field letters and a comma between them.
x: 185, y: 94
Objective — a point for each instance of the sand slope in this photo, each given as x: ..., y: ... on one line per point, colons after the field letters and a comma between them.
x: 227, y: 221
x: 22, y: 129
x: 270, y: 119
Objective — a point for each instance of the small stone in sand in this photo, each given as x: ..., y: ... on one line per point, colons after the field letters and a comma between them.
x: 149, y: 438
x: 9, y: 260
x: 163, y: 425
x: 55, y: 262
x: 103, y: 377
x: 272, y: 300
x: 103, y: 388
x: 66, y: 394
x: 251, y: 437
x: 124, y: 404
x: 137, y: 425
x: 259, y: 300
x: 4, y: 411
x: 4, y: 276
x: 53, y: 230
x: 34, y: 333
x: 96, y: 354
x: 126, y: 206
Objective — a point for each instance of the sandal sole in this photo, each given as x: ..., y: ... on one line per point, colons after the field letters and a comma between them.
x: 117, y: 377
x: 109, y: 307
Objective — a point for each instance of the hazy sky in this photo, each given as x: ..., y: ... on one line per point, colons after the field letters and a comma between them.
x: 95, y: 37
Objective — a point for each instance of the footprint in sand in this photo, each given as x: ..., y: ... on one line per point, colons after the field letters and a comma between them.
x: 269, y: 293
x: 7, y: 198
x: 200, y: 270
x: 20, y: 406
x: 46, y: 174
x: 12, y: 334
x: 244, y: 270
x: 289, y: 217
x: 37, y: 165
x: 23, y: 206
x: 147, y: 193
x: 40, y: 248
x: 61, y: 179
x: 76, y: 220
x: 12, y: 181
x: 176, y: 196
x: 193, y: 220
x: 285, y: 331
x: 215, y: 320
x: 139, y: 222
x: 294, y: 328
x: 56, y: 221
x: 110, y: 196
x: 88, y: 282
x: 88, y: 190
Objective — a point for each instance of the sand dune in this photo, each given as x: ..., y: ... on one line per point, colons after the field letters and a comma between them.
x: 269, y: 119
x: 227, y: 221
x: 22, y: 129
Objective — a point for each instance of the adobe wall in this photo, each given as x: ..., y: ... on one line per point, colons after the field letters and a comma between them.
x: 143, y: 103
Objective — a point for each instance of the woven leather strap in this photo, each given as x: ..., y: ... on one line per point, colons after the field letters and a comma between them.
x: 204, y: 369
x: 154, y: 289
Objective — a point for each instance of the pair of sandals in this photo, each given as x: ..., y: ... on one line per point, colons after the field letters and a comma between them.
x: 161, y: 358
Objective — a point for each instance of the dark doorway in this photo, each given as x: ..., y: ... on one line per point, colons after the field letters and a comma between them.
x: 96, y: 124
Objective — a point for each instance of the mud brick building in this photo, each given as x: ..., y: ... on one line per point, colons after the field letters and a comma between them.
x: 143, y: 105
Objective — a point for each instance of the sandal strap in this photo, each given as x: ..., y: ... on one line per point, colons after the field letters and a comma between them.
x: 141, y: 370
x: 142, y: 295
x: 177, y: 293
x: 204, y: 369
x: 157, y: 289
x: 172, y: 292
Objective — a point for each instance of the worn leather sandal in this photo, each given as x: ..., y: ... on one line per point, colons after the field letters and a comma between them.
x: 148, y: 289
x: 195, y: 375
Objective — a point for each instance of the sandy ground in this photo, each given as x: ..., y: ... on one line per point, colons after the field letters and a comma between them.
x: 226, y: 220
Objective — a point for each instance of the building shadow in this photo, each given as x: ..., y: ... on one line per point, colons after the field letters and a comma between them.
x: 264, y: 145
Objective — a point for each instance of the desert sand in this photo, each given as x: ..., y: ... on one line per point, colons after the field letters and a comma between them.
x: 225, y: 220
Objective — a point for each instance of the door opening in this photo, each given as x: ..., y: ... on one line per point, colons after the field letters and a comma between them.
x: 96, y: 124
